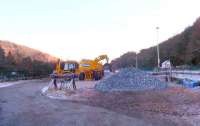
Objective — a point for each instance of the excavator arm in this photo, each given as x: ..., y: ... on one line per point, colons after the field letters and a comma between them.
x: 102, y: 57
x: 58, y: 69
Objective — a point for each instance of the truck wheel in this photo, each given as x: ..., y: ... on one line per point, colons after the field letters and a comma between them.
x: 103, y: 73
x: 95, y: 75
x: 81, y: 76
x: 99, y: 75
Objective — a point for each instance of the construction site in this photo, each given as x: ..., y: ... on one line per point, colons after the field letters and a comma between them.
x: 88, y: 93
x: 99, y: 63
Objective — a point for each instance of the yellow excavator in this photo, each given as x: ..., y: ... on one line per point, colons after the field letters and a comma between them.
x: 85, y: 69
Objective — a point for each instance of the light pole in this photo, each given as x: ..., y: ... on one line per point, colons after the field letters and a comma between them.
x: 158, y: 51
x: 136, y: 60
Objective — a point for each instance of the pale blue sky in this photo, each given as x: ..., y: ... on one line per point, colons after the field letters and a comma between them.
x: 75, y: 29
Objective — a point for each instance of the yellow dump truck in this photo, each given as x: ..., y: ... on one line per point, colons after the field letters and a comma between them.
x: 92, y: 69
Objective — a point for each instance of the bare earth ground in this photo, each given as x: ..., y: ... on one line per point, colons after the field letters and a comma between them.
x: 24, y: 105
x: 171, y: 107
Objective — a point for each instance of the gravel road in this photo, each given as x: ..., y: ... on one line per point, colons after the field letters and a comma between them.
x: 23, y: 105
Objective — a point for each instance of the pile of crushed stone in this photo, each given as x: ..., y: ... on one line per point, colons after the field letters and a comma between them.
x: 130, y: 79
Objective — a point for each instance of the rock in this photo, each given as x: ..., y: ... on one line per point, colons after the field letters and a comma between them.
x: 130, y: 79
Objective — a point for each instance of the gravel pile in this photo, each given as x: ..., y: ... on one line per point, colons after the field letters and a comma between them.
x: 130, y: 79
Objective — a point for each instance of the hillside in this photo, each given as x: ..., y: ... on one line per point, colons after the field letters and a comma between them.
x: 180, y: 49
x: 19, y: 52
x: 24, y: 60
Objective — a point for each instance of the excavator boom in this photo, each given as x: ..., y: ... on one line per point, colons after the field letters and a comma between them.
x: 102, y: 57
x: 58, y: 67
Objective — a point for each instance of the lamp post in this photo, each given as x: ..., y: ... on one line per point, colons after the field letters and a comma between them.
x: 158, y: 51
x: 136, y: 60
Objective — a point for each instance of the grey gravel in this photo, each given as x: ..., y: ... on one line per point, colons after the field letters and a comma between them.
x: 130, y: 79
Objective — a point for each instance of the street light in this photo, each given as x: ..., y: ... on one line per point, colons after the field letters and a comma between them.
x: 158, y: 51
x: 136, y: 61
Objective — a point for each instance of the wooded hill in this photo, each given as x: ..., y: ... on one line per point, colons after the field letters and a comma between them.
x: 184, y: 48
x: 22, y: 59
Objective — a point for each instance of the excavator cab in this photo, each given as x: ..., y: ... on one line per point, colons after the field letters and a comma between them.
x: 71, y: 67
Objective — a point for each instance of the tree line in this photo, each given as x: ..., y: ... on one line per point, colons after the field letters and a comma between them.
x: 25, y: 66
x: 181, y: 49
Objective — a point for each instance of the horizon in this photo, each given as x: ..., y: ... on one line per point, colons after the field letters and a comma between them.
x: 78, y: 29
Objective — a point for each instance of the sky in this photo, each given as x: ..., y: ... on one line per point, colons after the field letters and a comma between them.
x: 76, y: 29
